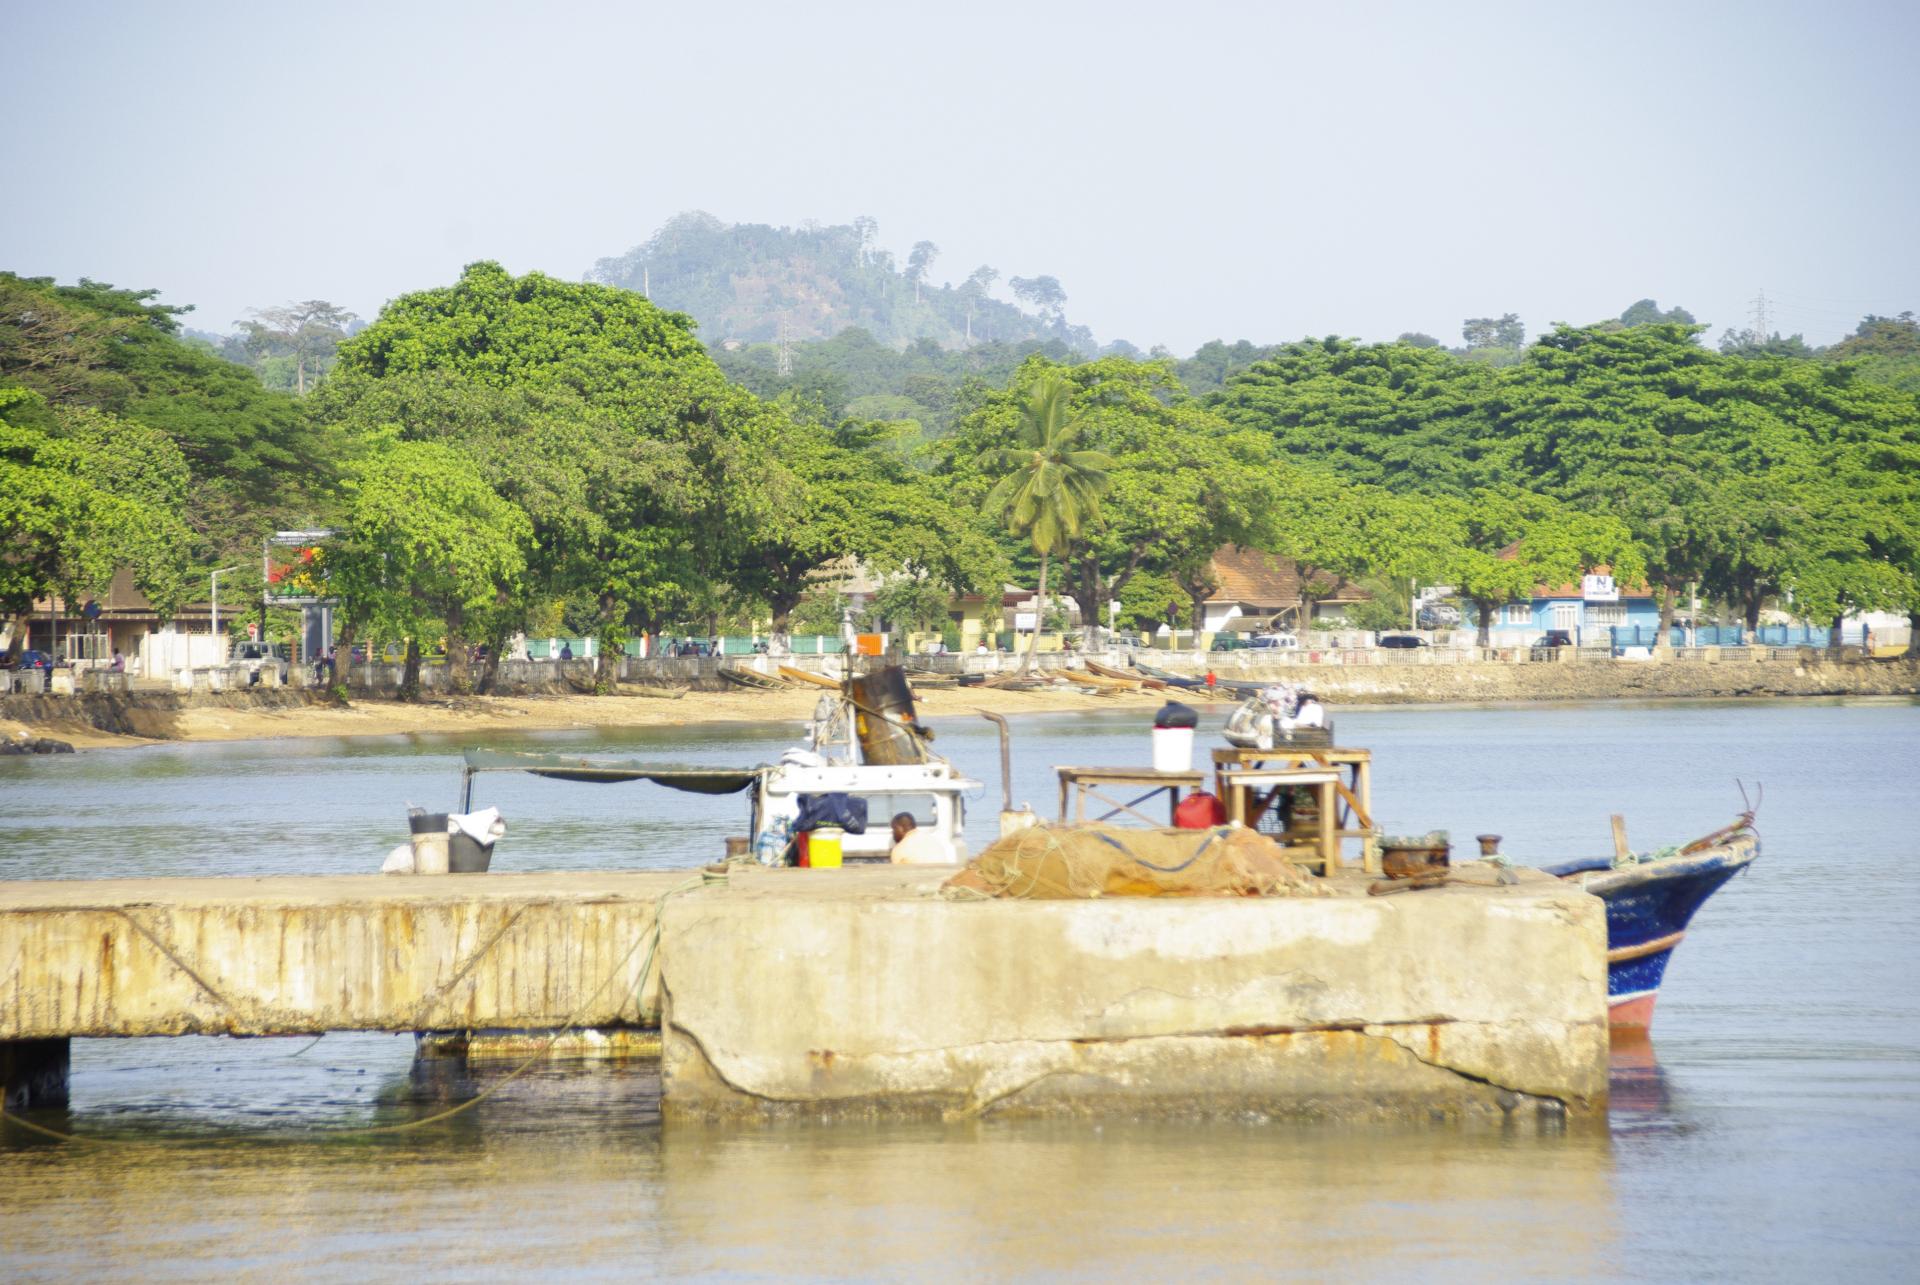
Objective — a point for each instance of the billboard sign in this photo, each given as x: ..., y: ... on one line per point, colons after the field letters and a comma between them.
x: 1599, y: 589
x: 294, y: 566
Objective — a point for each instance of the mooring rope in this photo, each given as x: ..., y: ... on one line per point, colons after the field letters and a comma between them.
x: 651, y: 938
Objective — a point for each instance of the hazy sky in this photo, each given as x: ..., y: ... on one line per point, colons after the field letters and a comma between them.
x: 1188, y: 170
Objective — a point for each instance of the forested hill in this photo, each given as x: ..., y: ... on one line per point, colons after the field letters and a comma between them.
x: 746, y: 281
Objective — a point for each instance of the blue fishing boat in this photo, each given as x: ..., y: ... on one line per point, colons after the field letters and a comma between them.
x: 1650, y: 900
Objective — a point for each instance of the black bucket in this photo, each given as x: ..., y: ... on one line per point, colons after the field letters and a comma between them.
x: 466, y: 855
x: 420, y: 821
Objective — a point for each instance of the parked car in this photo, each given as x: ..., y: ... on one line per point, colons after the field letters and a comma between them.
x: 31, y: 658
x: 1278, y: 641
x: 1401, y: 642
x: 257, y: 656
x: 1554, y: 638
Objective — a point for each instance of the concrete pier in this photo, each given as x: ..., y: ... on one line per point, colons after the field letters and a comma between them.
x: 288, y: 956
x: 795, y: 996
x: 859, y: 991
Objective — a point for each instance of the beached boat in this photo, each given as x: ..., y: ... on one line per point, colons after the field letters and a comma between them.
x: 1170, y: 678
x: 1218, y: 687
x: 1650, y: 902
x: 741, y: 676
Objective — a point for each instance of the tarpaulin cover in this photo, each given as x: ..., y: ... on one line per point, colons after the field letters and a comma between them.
x: 835, y: 809
x: 696, y: 780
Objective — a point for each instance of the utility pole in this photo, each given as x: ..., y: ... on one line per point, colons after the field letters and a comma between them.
x: 213, y: 625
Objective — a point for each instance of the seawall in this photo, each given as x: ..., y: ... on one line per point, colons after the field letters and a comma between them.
x: 1415, y: 684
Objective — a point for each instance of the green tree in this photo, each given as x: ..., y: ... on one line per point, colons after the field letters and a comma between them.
x: 921, y: 259
x: 1394, y: 415
x: 687, y: 468
x: 82, y: 494
x: 254, y: 458
x: 1646, y: 312
x: 1503, y: 332
x: 1049, y: 486
x: 429, y: 550
x: 1043, y: 294
x: 308, y: 335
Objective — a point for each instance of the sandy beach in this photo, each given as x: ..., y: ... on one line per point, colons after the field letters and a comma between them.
x: 366, y: 717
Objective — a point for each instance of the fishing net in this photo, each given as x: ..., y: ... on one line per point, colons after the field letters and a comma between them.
x: 1056, y: 862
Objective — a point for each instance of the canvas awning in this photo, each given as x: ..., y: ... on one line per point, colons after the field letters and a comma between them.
x: 694, y: 780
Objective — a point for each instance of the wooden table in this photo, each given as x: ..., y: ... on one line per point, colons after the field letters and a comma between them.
x: 1077, y: 784
x: 1248, y: 792
x: 1353, y: 793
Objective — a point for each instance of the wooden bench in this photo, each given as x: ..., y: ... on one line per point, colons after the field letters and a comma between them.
x: 1078, y: 784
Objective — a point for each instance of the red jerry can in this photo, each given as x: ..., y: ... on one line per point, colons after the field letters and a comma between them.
x: 1199, y: 811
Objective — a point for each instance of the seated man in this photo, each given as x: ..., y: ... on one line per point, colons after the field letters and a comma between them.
x: 913, y: 846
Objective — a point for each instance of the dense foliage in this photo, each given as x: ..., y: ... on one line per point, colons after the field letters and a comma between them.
x: 521, y: 453
x: 1750, y: 477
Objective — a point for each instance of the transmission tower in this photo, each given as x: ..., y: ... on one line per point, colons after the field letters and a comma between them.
x: 785, y: 363
x: 1762, y: 328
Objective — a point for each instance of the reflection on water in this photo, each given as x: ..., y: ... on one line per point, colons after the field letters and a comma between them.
x: 1775, y: 1134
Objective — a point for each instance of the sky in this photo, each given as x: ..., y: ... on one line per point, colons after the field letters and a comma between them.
x: 1187, y: 170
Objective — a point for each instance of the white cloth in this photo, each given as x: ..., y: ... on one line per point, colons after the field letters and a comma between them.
x: 924, y: 848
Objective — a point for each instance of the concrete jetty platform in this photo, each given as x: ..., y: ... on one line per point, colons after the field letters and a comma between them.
x: 860, y: 991
x: 794, y: 996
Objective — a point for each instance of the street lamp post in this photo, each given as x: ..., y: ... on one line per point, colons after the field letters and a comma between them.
x: 213, y: 623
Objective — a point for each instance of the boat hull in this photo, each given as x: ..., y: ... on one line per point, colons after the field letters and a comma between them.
x: 1649, y: 906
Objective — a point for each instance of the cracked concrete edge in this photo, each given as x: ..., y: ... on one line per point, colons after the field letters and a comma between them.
x: 1340, y: 1074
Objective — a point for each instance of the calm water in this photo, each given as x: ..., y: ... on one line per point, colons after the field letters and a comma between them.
x: 1778, y: 1137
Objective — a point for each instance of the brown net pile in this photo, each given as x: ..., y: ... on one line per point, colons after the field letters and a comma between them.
x: 1056, y: 862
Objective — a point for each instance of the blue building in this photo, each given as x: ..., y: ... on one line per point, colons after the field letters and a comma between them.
x: 1586, y: 612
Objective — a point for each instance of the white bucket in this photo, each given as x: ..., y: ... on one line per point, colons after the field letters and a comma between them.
x: 1173, y: 749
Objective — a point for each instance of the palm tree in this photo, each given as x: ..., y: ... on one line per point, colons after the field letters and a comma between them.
x: 1051, y: 489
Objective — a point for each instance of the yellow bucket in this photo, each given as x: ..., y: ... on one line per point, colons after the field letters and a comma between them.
x: 823, y: 848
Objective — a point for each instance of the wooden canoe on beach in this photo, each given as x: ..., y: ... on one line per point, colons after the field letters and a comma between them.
x: 1136, y: 677
x: 752, y: 678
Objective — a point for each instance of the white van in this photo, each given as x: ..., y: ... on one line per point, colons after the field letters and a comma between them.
x: 258, y: 655
x: 1271, y: 642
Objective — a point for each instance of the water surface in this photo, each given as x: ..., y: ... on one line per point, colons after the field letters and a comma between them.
x: 1777, y: 1137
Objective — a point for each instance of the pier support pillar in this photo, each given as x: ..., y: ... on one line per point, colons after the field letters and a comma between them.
x: 33, y: 1073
